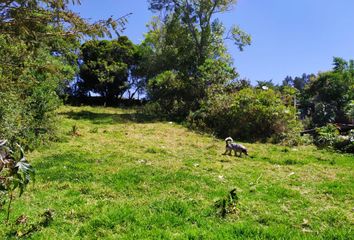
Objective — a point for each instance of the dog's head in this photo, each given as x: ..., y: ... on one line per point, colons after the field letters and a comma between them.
x: 228, y: 139
x: 245, y: 151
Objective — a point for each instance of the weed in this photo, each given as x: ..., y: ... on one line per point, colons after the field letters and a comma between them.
x: 74, y: 131
x: 227, y: 204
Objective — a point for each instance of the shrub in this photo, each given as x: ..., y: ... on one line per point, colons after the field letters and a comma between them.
x: 328, y: 137
x: 249, y: 114
x: 27, y: 115
x: 346, y: 144
x: 350, y: 110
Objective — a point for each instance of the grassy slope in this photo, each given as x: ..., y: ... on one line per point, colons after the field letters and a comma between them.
x: 128, y: 179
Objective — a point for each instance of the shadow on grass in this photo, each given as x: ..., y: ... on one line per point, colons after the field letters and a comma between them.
x: 108, y: 118
x: 65, y: 167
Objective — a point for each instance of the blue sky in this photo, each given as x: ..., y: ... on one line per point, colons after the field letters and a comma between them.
x: 289, y: 37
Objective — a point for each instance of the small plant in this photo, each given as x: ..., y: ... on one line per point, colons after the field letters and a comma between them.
x: 227, y: 204
x: 15, y: 173
x: 74, y: 131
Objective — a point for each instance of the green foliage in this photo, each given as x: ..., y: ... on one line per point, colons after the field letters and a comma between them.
x: 75, y: 131
x: 203, y: 30
x: 38, y: 47
x: 15, y: 173
x: 188, y: 40
x: 168, y: 91
x: 350, y: 110
x: 215, y: 73
x: 346, y: 143
x: 298, y: 82
x: 29, y: 98
x: 227, y: 204
x: 176, y: 96
x: 106, y: 66
x: 328, y: 96
x: 250, y: 114
x: 328, y: 136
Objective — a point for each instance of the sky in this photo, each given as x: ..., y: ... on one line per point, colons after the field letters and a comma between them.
x: 289, y: 37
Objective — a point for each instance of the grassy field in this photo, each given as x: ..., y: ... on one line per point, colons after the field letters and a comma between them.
x: 123, y: 176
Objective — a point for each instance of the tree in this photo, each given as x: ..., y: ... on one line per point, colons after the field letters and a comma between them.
x: 185, y: 41
x: 197, y: 18
x: 106, y: 66
x: 39, y: 41
x: 298, y: 82
x: 265, y: 85
x: 330, y: 93
x: 339, y: 64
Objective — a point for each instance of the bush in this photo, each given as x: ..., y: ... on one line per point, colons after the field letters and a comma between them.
x: 250, y: 114
x: 29, y: 94
x: 328, y: 137
x: 27, y: 115
x: 347, y: 144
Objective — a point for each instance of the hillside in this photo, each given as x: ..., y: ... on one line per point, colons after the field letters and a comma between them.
x: 120, y: 175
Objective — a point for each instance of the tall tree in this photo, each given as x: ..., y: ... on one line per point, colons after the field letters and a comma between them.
x: 106, y: 66
x: 198, y: 17
x: 185, y: 41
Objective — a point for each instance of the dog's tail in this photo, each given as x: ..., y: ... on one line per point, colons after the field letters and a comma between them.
x: 229, y: 139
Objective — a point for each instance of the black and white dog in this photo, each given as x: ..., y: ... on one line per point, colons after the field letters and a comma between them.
x: 230, y: 146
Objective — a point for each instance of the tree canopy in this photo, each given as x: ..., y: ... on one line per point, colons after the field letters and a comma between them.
x: 106, y: 66
x: 186, y: 40
x: 328, y: 95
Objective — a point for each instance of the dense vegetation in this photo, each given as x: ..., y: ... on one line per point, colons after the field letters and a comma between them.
x: 279, y: 113
x: 39, y: 42
x: 250, y: 114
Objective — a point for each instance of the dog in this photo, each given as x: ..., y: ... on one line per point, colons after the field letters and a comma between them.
x: 230, y: 146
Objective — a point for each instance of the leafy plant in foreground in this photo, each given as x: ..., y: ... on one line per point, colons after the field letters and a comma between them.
x: 227, y: 204
x: 15, y: 173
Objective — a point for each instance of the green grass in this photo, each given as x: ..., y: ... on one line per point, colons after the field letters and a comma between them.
x: 126, y: 176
